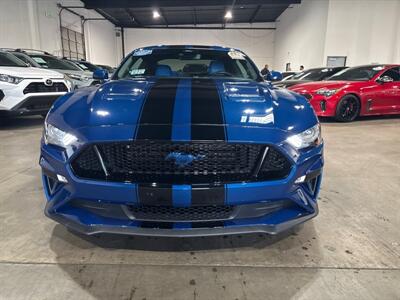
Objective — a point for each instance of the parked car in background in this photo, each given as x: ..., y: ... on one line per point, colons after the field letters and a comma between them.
x: 85, y: 65
x: 359, y: 91
x: 183, y: 141
x: 288, y: 75
x: 45, y: 60
x: 315, y: 74
x: 109, y: 69
x: 25, y: 90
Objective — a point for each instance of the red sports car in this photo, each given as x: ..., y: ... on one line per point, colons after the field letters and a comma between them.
x: 359, y: 91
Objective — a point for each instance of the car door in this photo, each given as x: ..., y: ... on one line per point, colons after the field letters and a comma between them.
x: 389, y: 92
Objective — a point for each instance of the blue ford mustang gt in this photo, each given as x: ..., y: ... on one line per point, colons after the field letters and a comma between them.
x: 182, y: 141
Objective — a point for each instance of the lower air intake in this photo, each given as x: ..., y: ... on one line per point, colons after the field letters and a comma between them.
x: 189, y: 214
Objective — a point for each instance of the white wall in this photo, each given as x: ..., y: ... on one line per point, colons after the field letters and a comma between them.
x: 35, y: 24
x: 300, y: 35
x: 366, y: 31
x: 258, y: 44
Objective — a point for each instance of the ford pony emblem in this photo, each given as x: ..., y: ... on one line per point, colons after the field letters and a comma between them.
x: 183, y: 159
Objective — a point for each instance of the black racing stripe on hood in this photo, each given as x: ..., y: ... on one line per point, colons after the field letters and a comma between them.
x: 157, y: 113
x: 207, y: 114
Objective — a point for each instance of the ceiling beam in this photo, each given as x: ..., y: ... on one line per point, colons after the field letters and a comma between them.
x: 254, y: 15
x: 93, y: 4
x: 196, y: 27
x: 108, y: 16
x: 132, y: 16
x: 162, y: 13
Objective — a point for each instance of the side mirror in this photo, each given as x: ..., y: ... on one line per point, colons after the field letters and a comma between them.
x: 384, y: 79
x: 100, y: 74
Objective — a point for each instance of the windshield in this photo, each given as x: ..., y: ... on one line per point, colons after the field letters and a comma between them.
x: 187, y: 63
x: 358, y: 73
x: 314, y: 74
x: 26, y: 59
x: 50, y: 62
x: 9, y: 60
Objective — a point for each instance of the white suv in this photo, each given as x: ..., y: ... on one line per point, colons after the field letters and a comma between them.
x: 28, y: 91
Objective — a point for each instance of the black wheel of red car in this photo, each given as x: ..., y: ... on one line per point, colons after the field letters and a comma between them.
x: 348, y: 109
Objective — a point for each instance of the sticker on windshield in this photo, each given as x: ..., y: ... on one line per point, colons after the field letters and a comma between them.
x: 379, y: 68
x: 142, y: 52
x: 137, y: 71
x: 39, y: 60
x: 236, y: 55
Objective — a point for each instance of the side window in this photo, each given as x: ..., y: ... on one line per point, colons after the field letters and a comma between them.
x: 393, y: 73
x: 23, y: 58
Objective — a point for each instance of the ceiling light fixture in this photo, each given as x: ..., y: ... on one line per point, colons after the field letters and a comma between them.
x: 156, y: 14
x: 228, y: 15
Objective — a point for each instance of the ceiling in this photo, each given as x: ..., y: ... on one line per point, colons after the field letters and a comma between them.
x: 139, y: 13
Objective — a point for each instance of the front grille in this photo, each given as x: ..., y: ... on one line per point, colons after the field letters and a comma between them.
x: 40, y: 87
x: 171, y: 214
x: 1, y: 95
x: 149, y: 162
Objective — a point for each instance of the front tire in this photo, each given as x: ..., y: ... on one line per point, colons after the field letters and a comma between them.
x: 348, y: 109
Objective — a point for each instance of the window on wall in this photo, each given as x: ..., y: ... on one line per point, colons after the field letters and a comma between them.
x: 72, y: 44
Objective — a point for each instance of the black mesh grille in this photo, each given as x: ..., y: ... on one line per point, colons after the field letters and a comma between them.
x: 170, y: 214
x: 40, y: 87
x: 1, y: 95
x: 149, y: 162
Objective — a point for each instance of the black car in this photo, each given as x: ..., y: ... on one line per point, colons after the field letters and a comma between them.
x: 315, y: 74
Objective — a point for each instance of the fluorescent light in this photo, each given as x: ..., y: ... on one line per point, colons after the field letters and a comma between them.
x: 156, y: 14
x: 228, y: 15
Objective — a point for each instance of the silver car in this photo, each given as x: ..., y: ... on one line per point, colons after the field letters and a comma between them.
x: 41, y: 59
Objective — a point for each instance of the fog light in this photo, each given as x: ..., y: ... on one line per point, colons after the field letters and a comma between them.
x: 62, y: 178
x: 300, y: 179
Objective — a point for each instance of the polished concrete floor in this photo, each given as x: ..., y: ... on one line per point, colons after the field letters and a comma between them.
x: 350, y: 251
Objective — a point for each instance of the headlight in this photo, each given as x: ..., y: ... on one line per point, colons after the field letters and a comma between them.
x: 326, y: 92
x: 69, y: 82
x: 10, y: 79
x: 55, y: 136
x: 74, y: 76
x: 307, y: 138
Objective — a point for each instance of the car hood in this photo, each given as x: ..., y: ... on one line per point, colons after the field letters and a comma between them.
x: 314, y: 86
x: 28, y: 72
x: 181, y: 109
x: 80, y: 73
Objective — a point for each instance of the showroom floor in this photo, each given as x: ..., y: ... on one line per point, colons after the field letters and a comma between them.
x: 351, y: 250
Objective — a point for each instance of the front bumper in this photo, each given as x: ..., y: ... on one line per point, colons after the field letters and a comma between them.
x: 300, y: 203
x: 15, y: 100
x: 323, y: 106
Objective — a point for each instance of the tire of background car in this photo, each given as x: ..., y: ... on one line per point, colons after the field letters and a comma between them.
x: 348, y: 109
